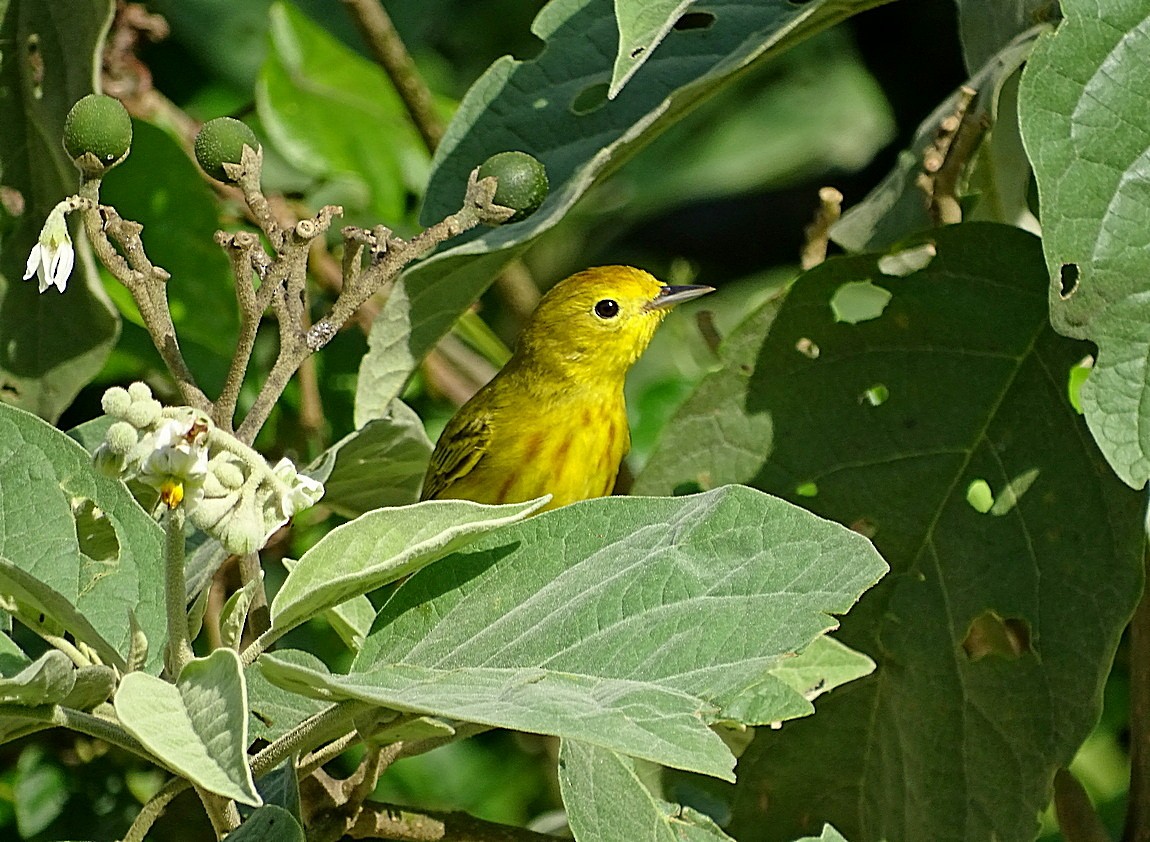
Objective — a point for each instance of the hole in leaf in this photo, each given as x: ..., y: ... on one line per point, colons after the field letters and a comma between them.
x: 695, y: 20
x: 1068, y: 279
x: 540, y: 103
x: 876, y: 395
x: 979, y: 495
x: 992, y: 634
x: 807, y: 348
x: 94, y: 531
x: 1010, y: 495
x: 859, y: 301
x: 1074, y: 380
x: 807, y: 489
x: 638, y: 51
x: 34, y: 60
x: 908, y: 261
x: 591, y: 98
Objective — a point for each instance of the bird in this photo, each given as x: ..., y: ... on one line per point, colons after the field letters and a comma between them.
x: 553, y: 420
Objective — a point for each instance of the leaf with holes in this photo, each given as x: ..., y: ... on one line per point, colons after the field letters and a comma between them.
x: 1085, y: 124
x: 53, y: 344
x: 75, y: 546
x: 1013, y: 606
x: 555, y: 107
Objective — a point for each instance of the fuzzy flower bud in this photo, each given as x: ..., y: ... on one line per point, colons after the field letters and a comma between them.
x: 121, y: 438
x: 116, y: 402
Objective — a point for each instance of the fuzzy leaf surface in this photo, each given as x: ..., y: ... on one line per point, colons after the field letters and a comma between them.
x: 1085, y: 122
x: 53, y: 507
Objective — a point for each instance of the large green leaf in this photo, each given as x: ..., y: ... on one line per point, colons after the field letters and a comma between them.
x: 50, y: 344
x: 380, y: 547
x: 75, y: 545
x: 985, y: 26
x: 702, y: 597
x: 555, y: 107
x: 1085, y: 124
x: 887, y: 424
x: 196, y: 727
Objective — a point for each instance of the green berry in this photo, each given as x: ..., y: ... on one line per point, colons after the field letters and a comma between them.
x: 222, y: 141
x: 97, y: 133
x: 522, y: 182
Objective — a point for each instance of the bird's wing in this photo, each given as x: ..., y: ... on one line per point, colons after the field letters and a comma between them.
x: 460, y: 449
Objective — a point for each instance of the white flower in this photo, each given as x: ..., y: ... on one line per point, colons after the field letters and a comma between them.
x: 300, y: 493
x: 52, y: 257
x: 175, y: 461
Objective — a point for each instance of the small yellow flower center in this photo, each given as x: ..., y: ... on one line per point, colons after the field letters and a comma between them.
x: 171, y: 493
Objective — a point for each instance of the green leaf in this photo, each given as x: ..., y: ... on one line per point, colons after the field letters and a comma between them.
x: 639, y: 718
x: 196, y: 727
x: 586, y: 772
x: 381, y: 464
x: 335, y: 115
x: 268, y: 822
x: 1085, y: 125
x: 586, y: 137
x: 642, y: 25
x: 985, y: 26
x: 234, y: 614
x: 275, y: 711
x: 551, y: 595
x: 46, y: 681
x: 976, y: 384
x: 40, y: 792
x: 380, y: 547
x: 829, y: 834
x: 48, y: 492
x: 351, y: 620
x: 53, y: 343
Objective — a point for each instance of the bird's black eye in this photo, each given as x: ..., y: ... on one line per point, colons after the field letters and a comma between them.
x: 608, y: 308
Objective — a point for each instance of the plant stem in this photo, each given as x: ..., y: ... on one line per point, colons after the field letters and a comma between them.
x: 388, y: 48
x: 328, y: 724
x: 155, y: 808
x: 1138, y: 799
x: 221, y: 812
x: 77, y: 720
x: 175, y: 593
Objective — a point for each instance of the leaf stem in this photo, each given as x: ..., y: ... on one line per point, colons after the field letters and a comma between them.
x: 155, y: 808
x: 389, y: 50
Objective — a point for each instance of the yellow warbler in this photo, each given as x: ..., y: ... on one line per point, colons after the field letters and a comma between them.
x: 553, y: 421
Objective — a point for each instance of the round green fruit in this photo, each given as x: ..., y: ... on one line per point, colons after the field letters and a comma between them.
x: 522, y: 182
x: 97, y: 133
x: 221, y: 141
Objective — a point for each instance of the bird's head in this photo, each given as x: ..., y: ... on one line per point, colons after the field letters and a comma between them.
x: 599, y: 321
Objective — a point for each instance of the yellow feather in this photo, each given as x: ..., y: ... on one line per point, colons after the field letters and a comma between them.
x: 553, y: 420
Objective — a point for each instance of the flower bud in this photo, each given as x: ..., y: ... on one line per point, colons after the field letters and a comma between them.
x: 121, y: 438
x: 116, y: 402
x: 143, y: 413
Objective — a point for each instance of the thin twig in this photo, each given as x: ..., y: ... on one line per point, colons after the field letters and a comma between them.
x: 155, y: 808
x: 389, y: 50
x: 817, y: 234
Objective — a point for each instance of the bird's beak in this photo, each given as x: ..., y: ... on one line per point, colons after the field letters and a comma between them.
x: 669, y: 296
